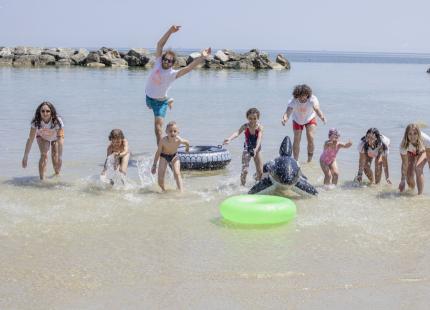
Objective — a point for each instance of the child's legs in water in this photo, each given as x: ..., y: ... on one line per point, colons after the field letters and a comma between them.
x: 334, y: 172
x: 246, y: 158
x: 419, y: 167
x: 258, y: 160
x: 176, y: 167
x: 310, y: 133
x: 123, y: 163
x: 44, y: 149
x: 327, y: 174
x: 57, y: 154
x: 296, y: 143
x: 162, y: 165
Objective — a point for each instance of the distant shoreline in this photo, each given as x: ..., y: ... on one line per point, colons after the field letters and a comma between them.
x: 7, y: 58
x: 22, y: 56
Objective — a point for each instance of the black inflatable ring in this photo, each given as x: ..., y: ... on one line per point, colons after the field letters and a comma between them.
x: 204, y: 157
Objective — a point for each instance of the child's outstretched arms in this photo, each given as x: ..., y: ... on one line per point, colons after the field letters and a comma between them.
x: 186, y: 143
x: 234, y: 135
x: 30, y: 140
x: 346, y: 145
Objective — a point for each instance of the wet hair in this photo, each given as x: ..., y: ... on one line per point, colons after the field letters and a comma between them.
x: 253, y: 111
x: 37, y: 119
x: 116, y: 134
x: 333, y: 131
x: 170, y: 124
x: 379, y: 142
x: 405, y: 141
x: 302, y: 90
x: 169, y: 52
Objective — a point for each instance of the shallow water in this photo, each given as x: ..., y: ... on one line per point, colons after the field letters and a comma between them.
x: 76, y: 243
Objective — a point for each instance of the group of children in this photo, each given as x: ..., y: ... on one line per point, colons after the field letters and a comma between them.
x: 48, y: 129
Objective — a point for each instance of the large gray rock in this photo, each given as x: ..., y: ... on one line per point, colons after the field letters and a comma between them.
x: 280, y: 59
x: 6, y: 52
x: 275, y: 66
x: 213, y: 64
x: 24, y: 60
x: 221, y: 56
x: 79, y: 56
x: 65, y: 53
x: 132, y: 61
x: 23, y: 50
x: 428, y: 70
x: 112, y: 57
x: 118, y: 62
x: 92, y: 57
x: 232, y: 56
x: 137, y: 57
x: 43, y: 60
x: 138, y: 52
x: 181, y: 61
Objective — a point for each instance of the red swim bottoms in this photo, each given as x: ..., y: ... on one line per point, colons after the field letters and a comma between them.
x: 300, y: 127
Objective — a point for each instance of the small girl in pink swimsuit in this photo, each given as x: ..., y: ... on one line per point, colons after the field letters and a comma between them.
x: 328, y: 157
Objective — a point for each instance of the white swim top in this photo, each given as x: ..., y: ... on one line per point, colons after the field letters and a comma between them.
x: 159, y: 80
x: 374, y: 152
x: 412, y: 148
x: 48, y: 131
x: 303, y: 113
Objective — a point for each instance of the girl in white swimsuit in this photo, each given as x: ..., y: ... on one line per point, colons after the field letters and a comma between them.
x: 48, y: 129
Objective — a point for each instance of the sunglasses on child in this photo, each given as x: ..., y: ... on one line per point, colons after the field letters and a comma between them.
x: 168, y: 60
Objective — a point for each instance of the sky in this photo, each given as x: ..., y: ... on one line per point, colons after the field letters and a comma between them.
x: 307, y: 25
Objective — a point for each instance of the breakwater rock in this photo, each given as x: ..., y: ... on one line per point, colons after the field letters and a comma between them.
x: 136, y: 57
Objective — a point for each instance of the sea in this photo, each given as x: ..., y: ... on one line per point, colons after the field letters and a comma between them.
x: 75, y: 242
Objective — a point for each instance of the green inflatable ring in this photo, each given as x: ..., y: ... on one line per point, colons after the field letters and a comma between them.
x: 258, y: 209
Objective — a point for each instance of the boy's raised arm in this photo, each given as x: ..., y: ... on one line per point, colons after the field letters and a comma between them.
x: 164, y: 38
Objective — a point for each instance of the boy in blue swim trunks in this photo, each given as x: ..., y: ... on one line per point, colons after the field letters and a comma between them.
x: 162, y: 76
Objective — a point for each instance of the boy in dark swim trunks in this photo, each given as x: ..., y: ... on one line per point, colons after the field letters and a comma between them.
x: 252, y: 146
x: 167, y: 155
